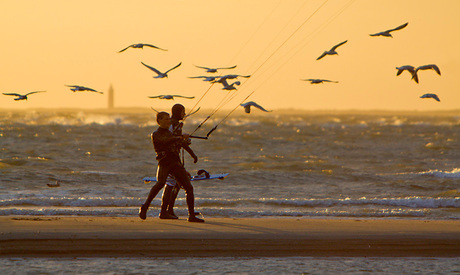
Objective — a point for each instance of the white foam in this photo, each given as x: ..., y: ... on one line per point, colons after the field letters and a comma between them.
x: 409, y: 202
x: 454, y: 174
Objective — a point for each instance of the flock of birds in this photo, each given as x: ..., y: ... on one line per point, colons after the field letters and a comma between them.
x: 159, y: 74
x: 224, y: 80
x: 74, y: 88
x: 411, y: 69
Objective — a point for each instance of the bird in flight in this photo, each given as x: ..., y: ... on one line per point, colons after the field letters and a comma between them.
x: 233, y: 76
x: 318, y: 81
x: 171, y: 96
x: 387, y: 32
x: 428, y: 67
x: 227, y: 86
x: 160, y: 74
x: 77, y: 88
x: 23, y: 97
x: 247, y: 106
x: 141, y: 46
x: 223, y: 79
x: 332, y: 50
x: 214, y: 70
x: 205, y: 78
x: 410, y: 69
x: 425, y: 67
x: 433, y: 96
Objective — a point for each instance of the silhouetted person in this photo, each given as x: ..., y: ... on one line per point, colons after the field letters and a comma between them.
x: 166, y: 147
x: 178, y: 114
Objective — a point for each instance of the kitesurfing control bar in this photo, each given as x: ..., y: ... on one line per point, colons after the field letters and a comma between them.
x: 198, y: 137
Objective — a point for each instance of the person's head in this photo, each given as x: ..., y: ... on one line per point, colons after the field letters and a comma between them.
x: 178, y: 111
x: 163, y: 120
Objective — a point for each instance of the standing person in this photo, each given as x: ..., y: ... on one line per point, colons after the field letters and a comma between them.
x: 177, y: 115
x: 165, y: 145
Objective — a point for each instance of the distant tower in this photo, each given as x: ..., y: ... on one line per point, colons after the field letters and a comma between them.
x: 110, y: 106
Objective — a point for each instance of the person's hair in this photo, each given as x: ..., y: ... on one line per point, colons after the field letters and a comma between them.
x: 161, y: 115
x: 176, y: 111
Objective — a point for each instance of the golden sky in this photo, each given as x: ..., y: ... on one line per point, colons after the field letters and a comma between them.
x: 49, y: 44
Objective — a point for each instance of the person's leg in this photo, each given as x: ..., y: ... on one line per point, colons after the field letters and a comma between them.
x: 174, y: 192
x: 181, y: 176
x: 165, y: 199
x: 162, y: 174
x: 172, y: 199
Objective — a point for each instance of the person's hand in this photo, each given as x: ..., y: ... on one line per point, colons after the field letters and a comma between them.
x: 185, y: 136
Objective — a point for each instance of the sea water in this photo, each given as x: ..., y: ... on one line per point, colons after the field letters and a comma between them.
x: 281, y: 164
x: 373, y: 165
x: 231, y: 265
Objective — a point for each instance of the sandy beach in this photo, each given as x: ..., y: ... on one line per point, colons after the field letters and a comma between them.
x: 32, y: 236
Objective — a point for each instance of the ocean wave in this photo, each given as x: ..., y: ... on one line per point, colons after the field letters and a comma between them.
x: 410, y: 202
x: 96, y: 172
x: 222, y: 212
x: 454, y: 174
x: 71, y: 202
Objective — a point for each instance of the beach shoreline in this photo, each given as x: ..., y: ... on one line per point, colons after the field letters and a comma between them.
x: 69, y: 236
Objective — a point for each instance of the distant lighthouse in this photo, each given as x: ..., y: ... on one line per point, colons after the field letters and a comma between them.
x: 110, y: 99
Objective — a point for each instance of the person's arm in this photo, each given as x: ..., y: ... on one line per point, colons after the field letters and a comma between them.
x: 165, y: 138
x: 191, y: 153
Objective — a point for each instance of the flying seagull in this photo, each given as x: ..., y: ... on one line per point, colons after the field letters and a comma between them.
x: 318, y: 81
x: 433, y: 96
x: 23, y: 97
x: 77, y: 88
x: 141, y: 46
x: 160, y: 74
x: 227, y: 86
x: 233, y: 76
x: 171, y: 96
x: 247, y: 106
x: 206, y: 78
x: 214, y: 70
x: 410, y: 69
x: 332, y: 50
x: 425, y: 67
x: 223, y: 79
x: 387, y: 32
x: 428, y: 67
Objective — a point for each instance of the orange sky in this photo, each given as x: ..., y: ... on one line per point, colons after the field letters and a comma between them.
x: 50, y: 44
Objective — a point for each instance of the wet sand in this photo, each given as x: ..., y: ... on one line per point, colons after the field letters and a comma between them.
x: 32, y: 236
